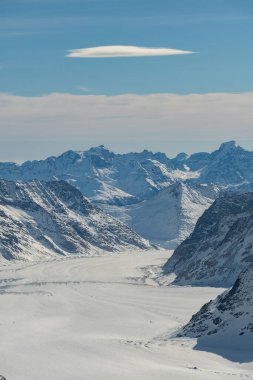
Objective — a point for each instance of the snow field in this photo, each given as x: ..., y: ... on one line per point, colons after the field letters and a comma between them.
x: 99, y: 318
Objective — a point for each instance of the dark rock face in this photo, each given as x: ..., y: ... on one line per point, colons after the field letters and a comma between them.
x: 221, y: 245
x: 230, y: 313
x: 40, y: 219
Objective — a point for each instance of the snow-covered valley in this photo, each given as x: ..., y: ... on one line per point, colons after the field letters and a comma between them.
x: 102, y: 317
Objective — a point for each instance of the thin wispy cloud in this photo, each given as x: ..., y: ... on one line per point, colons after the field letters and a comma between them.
x: 123, y: 51
x: 84, y: 89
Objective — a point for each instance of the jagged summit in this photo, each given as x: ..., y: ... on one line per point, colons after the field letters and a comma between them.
x: 69, y: 155
x: 228, y: 146
x: 100, y: 150
x: 229, y: 165
x: 181, y: 156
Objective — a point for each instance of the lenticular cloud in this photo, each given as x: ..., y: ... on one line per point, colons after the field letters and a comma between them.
x: 123, y: 51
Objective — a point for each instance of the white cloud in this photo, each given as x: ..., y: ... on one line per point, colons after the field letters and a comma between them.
x: 123, y: 51
x: 145, y: 120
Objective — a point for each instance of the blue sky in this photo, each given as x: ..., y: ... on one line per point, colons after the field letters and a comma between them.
x: 35, y: 36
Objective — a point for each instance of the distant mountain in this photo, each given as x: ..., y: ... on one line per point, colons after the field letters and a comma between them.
x: 227, y: 321
x: 229, y: 165
x: 126, y: 185
x: 41, y: 219
x: 99, y: 174
x: 220, y: 246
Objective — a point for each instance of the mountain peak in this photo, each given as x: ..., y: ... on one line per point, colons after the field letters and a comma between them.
x: 228, y: 146
x: 100, y: 149
x: 181, y: 156
x: 70, y: 154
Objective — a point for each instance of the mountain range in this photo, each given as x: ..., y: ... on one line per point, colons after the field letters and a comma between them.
x: 136, y: 187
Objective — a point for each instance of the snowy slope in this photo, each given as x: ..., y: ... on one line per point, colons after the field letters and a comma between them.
x: 226, y: 321
x: 170, y: 214
x: 40, y: 219
x: 220, y: 246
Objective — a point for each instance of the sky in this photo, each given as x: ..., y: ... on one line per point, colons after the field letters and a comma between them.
x: 165, y: 75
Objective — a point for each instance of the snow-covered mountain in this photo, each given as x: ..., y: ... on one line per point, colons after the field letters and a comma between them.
x: 170, y: 214
x: 226, y: 321
x: 40, y: 219
x: 229, y: 165
x: 220, y: 246
x: 97, y: 171
x: 99, y: 174
x: 137, y: 187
